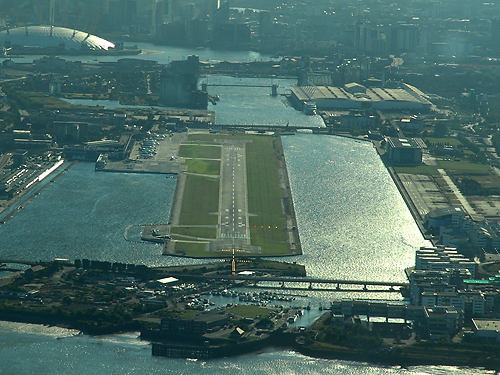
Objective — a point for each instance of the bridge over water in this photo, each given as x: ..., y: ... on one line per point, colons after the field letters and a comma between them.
x: 308, y: 283
x: 274, y: 87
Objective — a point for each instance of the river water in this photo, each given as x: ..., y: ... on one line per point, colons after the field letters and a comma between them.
x: 352, y: 221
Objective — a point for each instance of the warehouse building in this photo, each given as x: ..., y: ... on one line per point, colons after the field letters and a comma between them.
x: 356, y: 96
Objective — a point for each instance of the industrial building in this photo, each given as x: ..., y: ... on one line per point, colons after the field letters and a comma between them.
x: 356, y: 96
x: 405, y: 150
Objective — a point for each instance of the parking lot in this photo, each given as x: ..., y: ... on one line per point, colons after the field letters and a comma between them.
x: 155, y: 154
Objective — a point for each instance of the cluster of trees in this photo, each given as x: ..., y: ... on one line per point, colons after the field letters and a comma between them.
x: 80, y: 318
x: 469, y: 186
x: 479, y: 156
x: 355, y: 336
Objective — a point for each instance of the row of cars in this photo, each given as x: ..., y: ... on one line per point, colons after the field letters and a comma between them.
x: 148, y: 148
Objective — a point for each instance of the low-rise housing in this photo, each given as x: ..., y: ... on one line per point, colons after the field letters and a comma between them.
x: 486, y: 329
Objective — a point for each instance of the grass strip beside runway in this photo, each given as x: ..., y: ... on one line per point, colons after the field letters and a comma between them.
x: 200, y: 232
x: 202, y: 166
x: 199, y: 151
x: 200, y: 201
x: 267, y: 228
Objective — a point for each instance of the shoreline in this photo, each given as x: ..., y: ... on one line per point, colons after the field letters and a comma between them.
x: 13, y: 201
x: 277, y: 341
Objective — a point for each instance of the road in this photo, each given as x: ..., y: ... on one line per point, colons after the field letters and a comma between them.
x: 4, y: 159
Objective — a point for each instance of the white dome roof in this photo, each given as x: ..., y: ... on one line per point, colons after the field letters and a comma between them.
x: 39, y: 36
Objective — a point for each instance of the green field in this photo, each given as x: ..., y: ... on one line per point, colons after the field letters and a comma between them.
x: 203, y: 166
x: 463, y: 166
x: 200, y: 152
x: 192, y: 249
x: 200, y: 201
x: 200, y: 232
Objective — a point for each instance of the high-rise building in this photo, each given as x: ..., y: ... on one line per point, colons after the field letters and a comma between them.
x: 264, y: 23
x: 221, y: 15
x: 404, y: 38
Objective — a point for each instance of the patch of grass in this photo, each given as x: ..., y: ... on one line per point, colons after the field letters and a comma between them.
x: 200, y: 151
x: 201, y: 197
x: 201, y: 232
x: 250, y: 311
x: 463, y: 166
x: 202, y: 166
x: 188, y: 314
x: 418, y: 169
x: 192, y: 249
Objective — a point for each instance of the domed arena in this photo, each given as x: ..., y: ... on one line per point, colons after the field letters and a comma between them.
x: 47, y: 37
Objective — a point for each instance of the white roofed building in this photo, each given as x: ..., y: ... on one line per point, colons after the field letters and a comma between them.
x: 47, y: 37
x: 356, y: 96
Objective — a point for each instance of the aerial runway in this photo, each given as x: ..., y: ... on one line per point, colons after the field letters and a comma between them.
x: 233, y: 225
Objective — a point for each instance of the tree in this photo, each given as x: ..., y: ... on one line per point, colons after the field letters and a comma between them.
x: 440, y: 130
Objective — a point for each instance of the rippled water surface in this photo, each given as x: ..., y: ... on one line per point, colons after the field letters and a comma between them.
x: 351, y: 218
x: 30, y: 349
